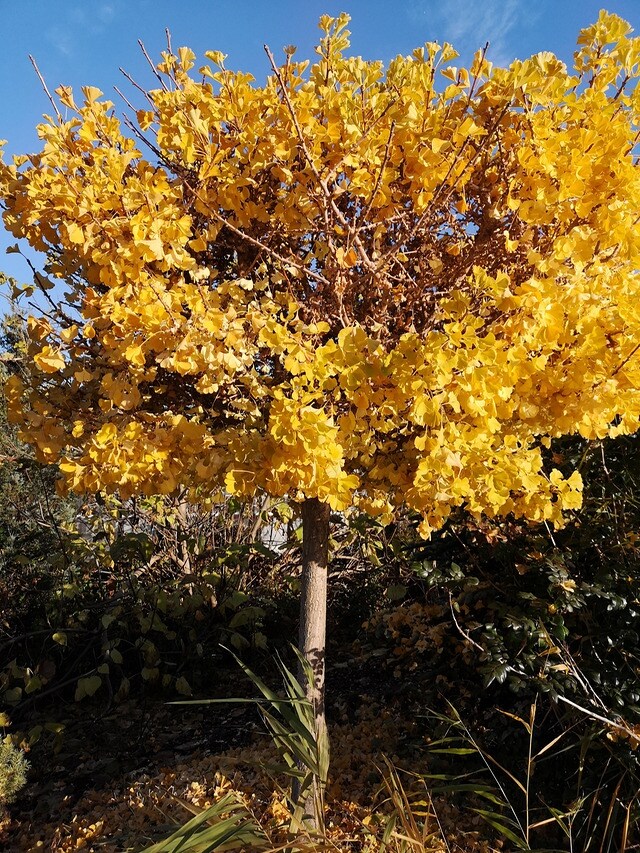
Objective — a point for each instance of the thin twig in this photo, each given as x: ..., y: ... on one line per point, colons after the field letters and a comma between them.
x: 330, y: 200
x: 255, y: 242
x: 128, y: 123
x: 152, y: 65
x: 136, y: 85
x: 579, y: 676
x: 383, y: 166
x: 39, y: 280
x: 44, y: 86
x: 441, y: 187
x: 461, y: 629
x: 551, y: 536
x: 335, y: 170
x: 300, y: 135
x: 626, y: 729
x: 628, y: 358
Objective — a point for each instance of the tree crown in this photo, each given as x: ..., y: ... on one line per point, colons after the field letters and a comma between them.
x: 374, y: 286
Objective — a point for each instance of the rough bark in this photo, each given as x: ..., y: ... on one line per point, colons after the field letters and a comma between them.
x: 313, y: 601
x: 313, y: 607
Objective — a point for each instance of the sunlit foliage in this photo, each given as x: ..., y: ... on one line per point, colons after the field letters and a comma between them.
x: 374, y: 286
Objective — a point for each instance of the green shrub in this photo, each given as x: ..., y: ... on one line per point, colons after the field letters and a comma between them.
x: 13, y: 771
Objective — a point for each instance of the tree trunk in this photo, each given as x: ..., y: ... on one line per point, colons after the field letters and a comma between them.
x: 313, y: 601
x: 313, y: 619
x: 181, y: 528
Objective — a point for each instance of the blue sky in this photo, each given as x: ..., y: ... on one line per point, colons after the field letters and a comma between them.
x: 84, y: 43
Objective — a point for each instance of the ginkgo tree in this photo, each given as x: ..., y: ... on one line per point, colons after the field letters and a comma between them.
x: 351, y: 286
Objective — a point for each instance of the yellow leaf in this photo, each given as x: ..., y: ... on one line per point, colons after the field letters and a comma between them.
x: 91, y: 94
x: 69, y: 334
x: 49, y: 360
x: 75, y: 233
x: 135, y: 355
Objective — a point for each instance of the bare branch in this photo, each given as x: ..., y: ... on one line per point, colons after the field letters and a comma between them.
x: 131, y: 126
x: 460, y: 629
x: 383, y: 166
x: 255, y: 242
x: 152, y: 65
x: 136, y: 85
x: 44, y: 86
x: 340, y: 217
x: 592, y: 714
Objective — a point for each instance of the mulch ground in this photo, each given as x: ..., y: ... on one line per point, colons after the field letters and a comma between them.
x: 121, y: 781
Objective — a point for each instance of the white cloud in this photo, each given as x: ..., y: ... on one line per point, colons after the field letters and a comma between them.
x: 106, y: 13
x: 77, y: 15
x: 470, y: 24
x: 78, y: 24
x: 61, y: 40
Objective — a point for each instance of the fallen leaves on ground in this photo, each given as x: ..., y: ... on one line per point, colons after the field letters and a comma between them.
x: 145, y: 807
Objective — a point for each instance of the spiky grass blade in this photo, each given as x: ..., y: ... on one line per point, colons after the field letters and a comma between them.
x: 224, y: 824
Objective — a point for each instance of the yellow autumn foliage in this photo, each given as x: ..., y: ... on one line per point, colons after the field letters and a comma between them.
x: 374, y: 286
